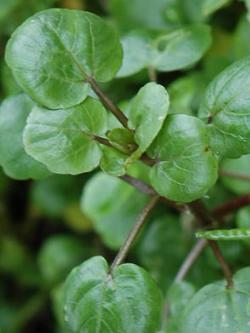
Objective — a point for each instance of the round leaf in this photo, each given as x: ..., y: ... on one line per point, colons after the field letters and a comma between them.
x: 63, y: 139
x: 217, y: 309
x: 149, y: 109
x: 186, y: 168
x: 126, y: 301
x: 181, y: 48
x: 226, y: 107
x: 16, y: 163
x: 53, y: 52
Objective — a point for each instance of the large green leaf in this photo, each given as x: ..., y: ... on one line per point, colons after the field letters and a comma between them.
x: 52, y: 53
x: 16, y: 163
x: 181, y: 48
x: 125, y: 301
x: 112, y: 218
x: 226, y: 106
x: 63, y: 139
x: 233, y: 172
x: 217, y: 309
x: 149, y: 109
x: 187, y: 168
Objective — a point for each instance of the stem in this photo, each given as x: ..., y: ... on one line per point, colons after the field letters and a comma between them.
x: 192, y: 256
x: 138, y: 184
x: 226, y: 270
x: 134, y: 232
x: 152, y: 74
x: 102, y: 141
x: 232, y: 206
x: 205, y: 218
x: 108, y: 103
x: 236, y: 175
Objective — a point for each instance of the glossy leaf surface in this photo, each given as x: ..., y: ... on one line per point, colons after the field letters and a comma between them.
x: 126, y: 301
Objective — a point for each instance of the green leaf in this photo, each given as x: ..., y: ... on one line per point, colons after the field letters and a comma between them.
x: 53, y: 52
x: 122, y: 139
x: 113, y: 162
x: 136, y: 53
x: 16, y: 163
x: 243, y: 217
x: 127, y: 300
x: 112, y: 218
x: 181, y: 48
x: 236, y: 174
x: 58, y: 255
x: 217, y: 309
x: 247, y: 2
x: 149, y: 109
x: 64, y: 139
x: 187, y: 168
x: 225, y: 234
x: 226, y: 107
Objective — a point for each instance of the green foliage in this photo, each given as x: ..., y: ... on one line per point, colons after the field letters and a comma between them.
x: 183, y: 151
x: 13, y: 158
x: 97, y: 54
x: 155, y: 94
x: 96, y: 299
x: 217, y: 309
x: 64, y: 139
x: 226, y: 109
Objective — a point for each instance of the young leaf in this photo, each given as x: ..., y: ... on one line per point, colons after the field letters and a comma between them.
x: 187, y: 168
x: 224, y: 234
x: 217, y: 309
x: 149, y: 109
x: 113, y: 162
x: 53, y: 52
x: 112, y: 218
x: 16, y: 163
x: 236, y: 174
x: 64, y: 139
x: 181, y: 48
x: 226, y: 106
x: 126, y: 300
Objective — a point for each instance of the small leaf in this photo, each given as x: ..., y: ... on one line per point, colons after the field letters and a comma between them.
x: 113, y: 162
x: 181, y: 48
x: 136, y: 53
x: 16, y: 163
x: 112, y: 218
x: 63, y: 139
x: 126, y: 301
x: 53, y: 52
x: 216, y: 309
x: 149, y: 109
x: 224, y: 234
x: 187, y: 168
x: 226, y: 106
x: 122, y: 139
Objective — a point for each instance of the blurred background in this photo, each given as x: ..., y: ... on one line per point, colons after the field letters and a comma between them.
x: 49, y: 226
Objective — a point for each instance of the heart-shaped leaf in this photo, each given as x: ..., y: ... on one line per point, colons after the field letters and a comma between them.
x: 13, y: 158
x: 53, y: 52
x: 149, y: 109
x: 187, y: 168
x: 64, y: 139
x: 226, y: 107
x: 125, y: 301
x: 217, y: 309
